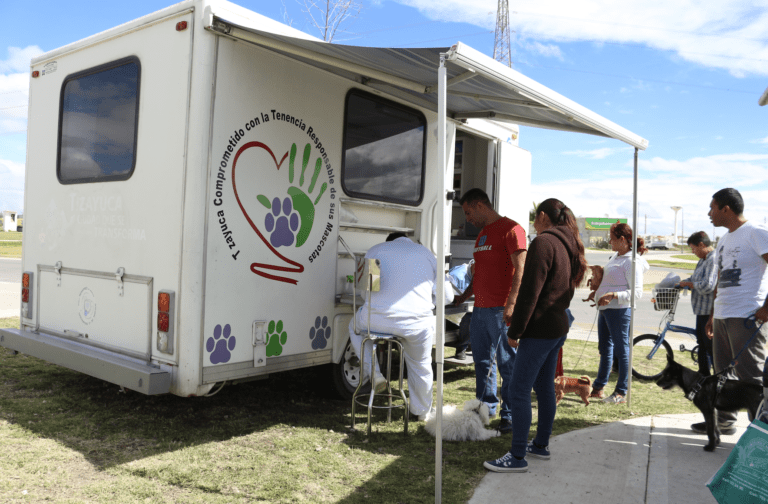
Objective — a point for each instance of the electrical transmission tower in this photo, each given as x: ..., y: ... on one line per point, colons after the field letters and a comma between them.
x: 501, y: 49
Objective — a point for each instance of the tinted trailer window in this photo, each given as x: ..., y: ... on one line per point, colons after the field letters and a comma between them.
x: 384, y: 150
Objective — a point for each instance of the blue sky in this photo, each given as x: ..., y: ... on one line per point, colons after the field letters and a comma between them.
x: 684, y: 75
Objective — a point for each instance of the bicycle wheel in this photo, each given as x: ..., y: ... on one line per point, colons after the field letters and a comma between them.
x: 642, y: 367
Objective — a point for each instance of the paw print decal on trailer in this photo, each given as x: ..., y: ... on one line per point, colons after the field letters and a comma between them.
x: 276, y: 338
x: 221, y: 344
x: 320, y: 333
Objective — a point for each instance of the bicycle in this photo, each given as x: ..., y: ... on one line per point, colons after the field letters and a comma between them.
x: 649, y: 367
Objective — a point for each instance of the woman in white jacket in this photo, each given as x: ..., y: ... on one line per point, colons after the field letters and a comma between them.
x: 613, y: 299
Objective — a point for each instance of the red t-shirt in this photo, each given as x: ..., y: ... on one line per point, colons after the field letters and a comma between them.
x: 493, y: 267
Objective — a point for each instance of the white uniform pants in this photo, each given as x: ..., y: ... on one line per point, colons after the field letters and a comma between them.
x: 417, y: 336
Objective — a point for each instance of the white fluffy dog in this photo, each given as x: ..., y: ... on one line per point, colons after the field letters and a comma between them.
x: 464, y: 425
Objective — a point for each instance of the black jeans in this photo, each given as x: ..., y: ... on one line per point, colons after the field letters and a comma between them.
x: 705, y: 345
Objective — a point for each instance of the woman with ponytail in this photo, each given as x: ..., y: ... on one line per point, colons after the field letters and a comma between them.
x: 613, y: 298
x: 554, y: 266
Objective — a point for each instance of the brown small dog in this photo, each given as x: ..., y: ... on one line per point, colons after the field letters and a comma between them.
x: 594, y: 282
x: 581, y: 386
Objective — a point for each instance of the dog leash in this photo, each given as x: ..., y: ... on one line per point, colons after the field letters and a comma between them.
x: 597, y: 312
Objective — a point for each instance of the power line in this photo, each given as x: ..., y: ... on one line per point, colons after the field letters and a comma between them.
x: 629, y: 77
x: 638, y: 45
x: 611, y: 23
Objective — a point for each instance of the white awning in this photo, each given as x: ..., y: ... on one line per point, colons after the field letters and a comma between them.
x: 478, y: 86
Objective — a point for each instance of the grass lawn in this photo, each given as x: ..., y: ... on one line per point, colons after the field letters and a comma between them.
x: 67, y: 437
x: 10, y: 244
x: 690, y: 257
x: 673, y: 264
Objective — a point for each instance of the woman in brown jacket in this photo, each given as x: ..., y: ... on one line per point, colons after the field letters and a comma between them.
x: 554, y: 266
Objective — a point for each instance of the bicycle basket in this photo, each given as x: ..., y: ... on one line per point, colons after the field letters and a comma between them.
x: 664, y: 299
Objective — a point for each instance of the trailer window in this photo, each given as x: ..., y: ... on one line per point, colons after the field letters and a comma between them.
x: 97, y: 123
x: 384, y: 150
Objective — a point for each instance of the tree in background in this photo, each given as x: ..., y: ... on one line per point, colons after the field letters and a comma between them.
x: 327, y: 15
x: 532, y: 212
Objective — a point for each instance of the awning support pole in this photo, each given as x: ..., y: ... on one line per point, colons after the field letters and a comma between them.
x: 632, y: 285
x: 442, y: 87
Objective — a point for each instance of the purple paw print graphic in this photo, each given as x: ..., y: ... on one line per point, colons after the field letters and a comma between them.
x: 283, y: 226
x: 221, y: 344
x: 320, y: 333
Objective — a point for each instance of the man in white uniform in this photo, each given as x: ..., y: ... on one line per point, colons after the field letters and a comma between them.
x: 742, y: 287
x: 403, y: 307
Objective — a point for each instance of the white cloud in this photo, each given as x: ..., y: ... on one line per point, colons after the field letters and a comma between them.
x: 594, y: 153
x: 548, y: 50
x: 663, y: 183
x: 12, y: 187
x: 760, y: 140
x: 14, y: 89
x: 18, y: 59
x: 727, y: 34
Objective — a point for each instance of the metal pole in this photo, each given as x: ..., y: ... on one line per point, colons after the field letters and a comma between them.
x: 442, y: 87
x: 632, y: 286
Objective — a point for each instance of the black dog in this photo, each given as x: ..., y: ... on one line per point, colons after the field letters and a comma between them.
x: 734, y: 396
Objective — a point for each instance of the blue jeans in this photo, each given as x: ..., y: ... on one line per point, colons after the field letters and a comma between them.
x: 613, y: 338
x: 535, y: 367
x: 488, y: 334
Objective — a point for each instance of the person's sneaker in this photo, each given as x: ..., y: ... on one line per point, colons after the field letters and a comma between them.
x: 536, y: 452
x: 420, y: 418
x: 460, y: 355
x: 615, y: 398
x: 504, y: 426
x: 597, y: 394
x: 505, y: 464
x: 726, y: 430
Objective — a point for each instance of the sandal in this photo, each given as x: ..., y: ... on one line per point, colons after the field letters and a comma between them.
x: 597, y: 393
x: 615, y: 398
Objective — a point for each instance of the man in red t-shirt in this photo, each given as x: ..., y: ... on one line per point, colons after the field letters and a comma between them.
x: 499, y: 256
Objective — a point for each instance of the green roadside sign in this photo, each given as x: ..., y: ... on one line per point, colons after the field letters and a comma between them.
x: 594, y: 223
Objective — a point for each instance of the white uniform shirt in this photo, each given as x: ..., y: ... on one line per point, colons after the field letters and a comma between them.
x: 407, y: 295
x: 617, y: 275
x: 743, y: 282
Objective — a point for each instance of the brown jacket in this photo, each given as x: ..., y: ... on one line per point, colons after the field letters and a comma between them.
x: 546, y: 289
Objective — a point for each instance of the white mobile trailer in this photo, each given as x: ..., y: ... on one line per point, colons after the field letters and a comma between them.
x: 197, y: 178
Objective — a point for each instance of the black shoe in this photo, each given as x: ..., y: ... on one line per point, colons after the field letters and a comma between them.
x: 504, y: 426
x: 460, y: 355
x: 725, y: 430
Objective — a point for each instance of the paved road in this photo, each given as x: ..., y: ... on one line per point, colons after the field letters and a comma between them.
x: 10, y: 270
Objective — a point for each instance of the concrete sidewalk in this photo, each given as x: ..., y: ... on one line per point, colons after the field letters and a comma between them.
x: 653, y: 460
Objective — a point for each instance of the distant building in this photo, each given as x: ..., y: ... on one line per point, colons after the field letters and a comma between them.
x: 9, y: 221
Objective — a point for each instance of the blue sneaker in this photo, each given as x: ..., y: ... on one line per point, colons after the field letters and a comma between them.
x: 506, y: 464
x: 539, y: 453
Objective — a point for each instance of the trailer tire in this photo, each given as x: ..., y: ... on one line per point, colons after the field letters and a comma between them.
x: 346, y: 374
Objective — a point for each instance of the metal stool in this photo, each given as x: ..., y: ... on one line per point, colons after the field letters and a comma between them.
x: 377, y: 339
x: 368, y: 279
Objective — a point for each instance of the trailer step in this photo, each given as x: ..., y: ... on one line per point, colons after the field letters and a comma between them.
x: 102, y: 364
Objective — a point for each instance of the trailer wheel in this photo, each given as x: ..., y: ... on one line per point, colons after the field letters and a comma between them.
x: 346, y: 374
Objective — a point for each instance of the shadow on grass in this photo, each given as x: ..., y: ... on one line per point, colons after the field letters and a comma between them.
x: 111, y: 427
